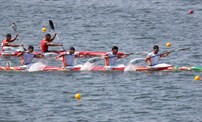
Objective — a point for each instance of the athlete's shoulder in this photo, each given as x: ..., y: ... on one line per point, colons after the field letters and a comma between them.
x: 109, y: 53
x: 151, y: 53
x: 66, y: 53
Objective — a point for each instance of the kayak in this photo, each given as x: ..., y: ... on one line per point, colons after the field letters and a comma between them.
x: 188, y: 68
x: 160, y: 67
x: 8, y: 54
x: 53, y: 54
x: 96, y: 54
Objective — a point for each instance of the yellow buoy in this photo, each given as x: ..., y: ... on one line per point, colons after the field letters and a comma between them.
x: 197, y: 77
x: 78, y: 96
x: 168, y: 44
x: 44, y: 29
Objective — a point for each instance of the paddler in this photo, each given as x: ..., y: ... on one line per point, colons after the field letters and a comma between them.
x: 26, y: 57
x: 153, y: 58
x: 7, y: 42
x: 48, y: 41
x: 68, y: 57
x: 111, y: 57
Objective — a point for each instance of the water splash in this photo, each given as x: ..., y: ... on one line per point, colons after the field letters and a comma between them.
x: 39, y: 66
x: 87, y: 66
x: 129, y: 67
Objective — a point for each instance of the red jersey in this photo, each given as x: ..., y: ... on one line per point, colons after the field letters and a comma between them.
x: 44, y: 47
x: 4, y: 42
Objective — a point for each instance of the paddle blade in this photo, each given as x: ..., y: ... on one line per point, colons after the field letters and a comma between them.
x: 14, y: 27
x: 137, y: 60
x: 95, y: 59
x: 182, y: 49
x: 142, y: 53
x: 51, y: 25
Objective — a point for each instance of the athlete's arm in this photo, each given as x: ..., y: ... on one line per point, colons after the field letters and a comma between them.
x: 53, y: 37
x: 21, y: 58
x: 38, y: 56
x: 165, y: 54
x: 124, y: 55
x: 13, y: 45
x: 61, y: 55
x: 79, y: 56
x: 20, y: 54
x: 12, y: 40
x: 148, y: 60
x: 53, y: 44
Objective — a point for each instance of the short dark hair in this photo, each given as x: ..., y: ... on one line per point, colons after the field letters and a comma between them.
x: 156, y: 47
x: 115, y: 48
x: 72, y: 48
x: 8, y: 35
x: 48, y: 34
x: 30, y: 47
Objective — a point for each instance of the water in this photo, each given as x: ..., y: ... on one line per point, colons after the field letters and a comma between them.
x: 97, y: 25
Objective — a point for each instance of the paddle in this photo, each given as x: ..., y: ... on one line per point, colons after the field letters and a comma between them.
x: 175, y: 50
x: 133, y: 63
x: 141, y: 53
x: 53, y: 28
x: 180, y: 49
x: 95, y: 59
x: 117, y: 55
x: 137, y: 60
x: 14, y: 26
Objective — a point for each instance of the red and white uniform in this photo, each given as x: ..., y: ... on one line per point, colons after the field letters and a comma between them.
x: 111, y: 59
x: 69, y: 59
x: 4, y: 42
x: 28, y: 57
x: 154, y: 58
x: 44, y: 47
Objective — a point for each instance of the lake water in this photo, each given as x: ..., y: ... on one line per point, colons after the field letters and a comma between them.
x: 97, y: 25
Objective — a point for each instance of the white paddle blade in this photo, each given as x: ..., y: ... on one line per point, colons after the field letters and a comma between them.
x: 182, y: 49
x: 14, y: 27
x: 137, y: 60
x: 50, y: 54
x: 95, y: 59
x: 57, y: 37
x: 142, y: 53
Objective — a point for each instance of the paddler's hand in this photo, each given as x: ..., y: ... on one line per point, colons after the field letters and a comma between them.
x: 126, y: 55
x: 41, y: 56
x: 147, y: 58
x: 104, y: 56
x: 82, y: 56
x: 55, y: 34
x: 85, y: 55
x: 17, y: 35
x: 165, y: 54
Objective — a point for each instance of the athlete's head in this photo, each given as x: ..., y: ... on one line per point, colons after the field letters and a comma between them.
x: 156, y: 49
x: 8, y: 36
x: 115, y: 50
x: 71, y: 50
x: 47, y: 37
x: 30, y: 49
